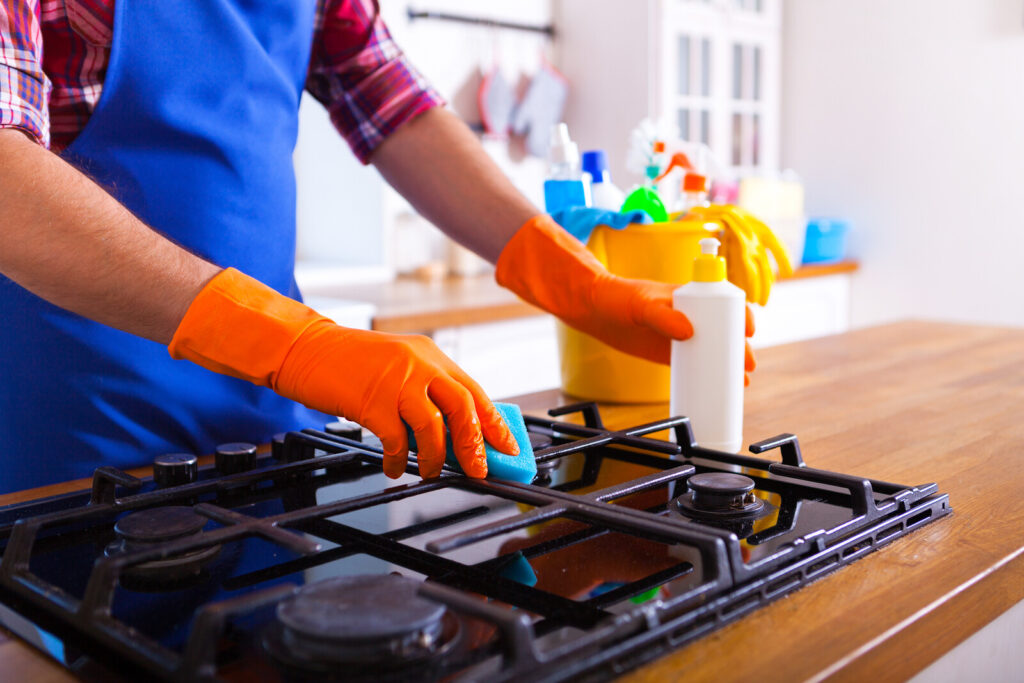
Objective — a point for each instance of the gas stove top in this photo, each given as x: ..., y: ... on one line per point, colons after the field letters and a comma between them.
x: 307, y: 563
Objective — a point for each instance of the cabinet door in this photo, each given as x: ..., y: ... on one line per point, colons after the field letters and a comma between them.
x: 720, y: 78
x: 803, y: 309
x: 507, y: 358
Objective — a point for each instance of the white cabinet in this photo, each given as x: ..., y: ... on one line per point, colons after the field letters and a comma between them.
x: 802, y: 309
x: 507, y: 358
x: 707, y: 67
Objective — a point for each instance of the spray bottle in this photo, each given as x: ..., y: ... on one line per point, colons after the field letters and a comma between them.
x: 567, y: 186
x: 707, y: 369
x: 692, y: 193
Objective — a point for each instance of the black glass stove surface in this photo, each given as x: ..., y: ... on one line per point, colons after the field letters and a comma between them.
x: 309, y: 564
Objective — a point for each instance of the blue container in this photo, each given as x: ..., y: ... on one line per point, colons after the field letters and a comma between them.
x: 564, y: 194
x: 826, y: 240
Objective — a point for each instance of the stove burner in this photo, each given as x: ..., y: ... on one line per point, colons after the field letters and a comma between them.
x: 721, y: 496
x: 378, y: 620
x: 540, y: 441
x: 147, y: 528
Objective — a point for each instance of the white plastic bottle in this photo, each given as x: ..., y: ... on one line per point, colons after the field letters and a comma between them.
x: 692, y: 193
x: 707, y: 369
x: 604, y: 195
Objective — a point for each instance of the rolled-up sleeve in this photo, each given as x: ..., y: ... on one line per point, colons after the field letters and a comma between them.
x: 24, y: 88
x: 361, y: 76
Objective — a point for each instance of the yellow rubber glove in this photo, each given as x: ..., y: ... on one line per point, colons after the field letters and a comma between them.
x: 240, y: 327
x: 746, y: 243
x: 551, y: 269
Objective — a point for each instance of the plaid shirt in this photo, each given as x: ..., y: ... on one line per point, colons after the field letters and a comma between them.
x: 369, y: 89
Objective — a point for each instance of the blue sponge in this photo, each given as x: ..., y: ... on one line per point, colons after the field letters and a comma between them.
x: 521, y: 468
x: 519, y: 570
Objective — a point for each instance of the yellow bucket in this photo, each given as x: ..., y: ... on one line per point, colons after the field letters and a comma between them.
x: 593, y: 370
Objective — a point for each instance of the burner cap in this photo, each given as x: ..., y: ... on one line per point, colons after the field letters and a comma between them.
x: 373, y: 625
x: 717, y: 495
x: 360, y: 608
x: 159, y: 524
x: 720, y: 484
x: 150, y: 528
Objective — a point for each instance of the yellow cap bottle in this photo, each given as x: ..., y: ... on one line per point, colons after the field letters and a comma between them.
x: 709, y: 266
x: 707, y: 369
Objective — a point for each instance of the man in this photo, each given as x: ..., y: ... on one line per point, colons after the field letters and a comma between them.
x: 162, y: 219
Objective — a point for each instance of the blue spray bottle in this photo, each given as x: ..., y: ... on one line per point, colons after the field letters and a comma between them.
x: 567, y: 185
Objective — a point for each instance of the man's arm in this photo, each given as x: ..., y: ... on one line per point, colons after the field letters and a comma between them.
x: 440, y: 167
x: 69, y: 242
x: 66, y: 240
x: 436, y: 163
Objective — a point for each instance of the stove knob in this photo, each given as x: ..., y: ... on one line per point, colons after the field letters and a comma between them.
x: 232, y: 458
x: 345, y: 429
x: 174, y: 469
x: 277, y: 446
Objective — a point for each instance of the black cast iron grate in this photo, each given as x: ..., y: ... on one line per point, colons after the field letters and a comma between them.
x: 606, y: 643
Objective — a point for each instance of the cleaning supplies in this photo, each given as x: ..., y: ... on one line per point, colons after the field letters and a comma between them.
x: 707, y: 369
x: 581, y: 221
x: 521, y: 468
x: 594, y: 371
x: 693, y: 193
x: 746, y: 245
x: 826, y: 240
x: 603, y: 193
x: 646, y: 199
x: 653, y: 169
x: 567, y: 185
x: 677, y: 160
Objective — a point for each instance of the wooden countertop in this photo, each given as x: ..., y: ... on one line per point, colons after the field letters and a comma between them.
x: 409, y: 304
x: 911, y: 403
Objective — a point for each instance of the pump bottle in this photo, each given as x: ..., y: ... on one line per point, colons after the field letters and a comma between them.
x: 707, y: 369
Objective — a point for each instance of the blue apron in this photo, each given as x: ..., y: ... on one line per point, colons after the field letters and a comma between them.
x: 194, y: 133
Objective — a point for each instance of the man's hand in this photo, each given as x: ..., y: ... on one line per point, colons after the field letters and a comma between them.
x: 548, y: 267
x: 470, y: 199
x: 240, y: 327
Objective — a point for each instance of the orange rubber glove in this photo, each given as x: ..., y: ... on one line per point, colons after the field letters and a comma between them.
x: 749, y: 364
x: 551, y: 269
x: 240, y: 327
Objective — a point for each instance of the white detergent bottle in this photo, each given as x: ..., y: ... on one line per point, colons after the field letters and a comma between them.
x: 707, y: 369
x: 604, y: 195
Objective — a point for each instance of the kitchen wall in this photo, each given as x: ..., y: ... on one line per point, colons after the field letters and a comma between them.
x: 906, y: 118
